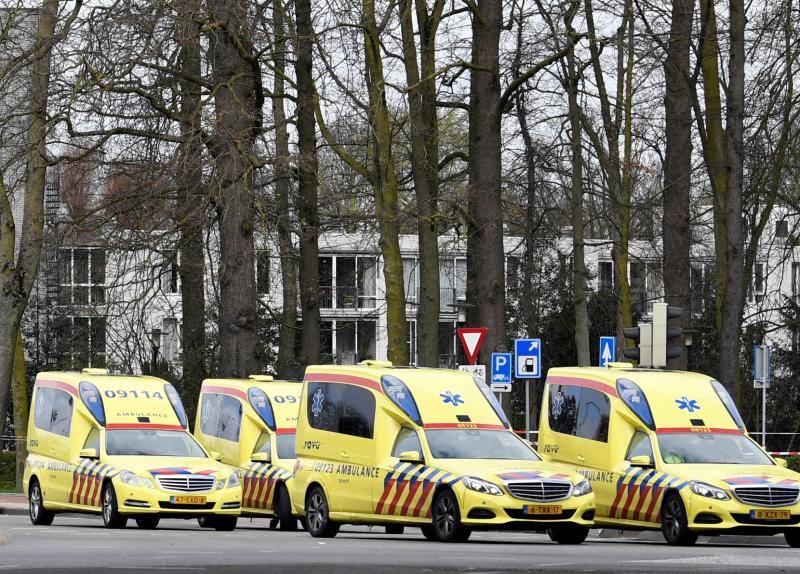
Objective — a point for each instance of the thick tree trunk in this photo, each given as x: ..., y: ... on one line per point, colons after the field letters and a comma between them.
x: 307, y: 196
x: 734, y: 228
x: 18, y: 276
x: 287, y: 362
x: 678, y: 167
x: 191, y: 202
x: 576, y: 205
x: 527, y: 301
x: 237, y: 104
x: 485, y: 254
x: 424, y: 167
x: 19, y: 393
x: 384, y: 183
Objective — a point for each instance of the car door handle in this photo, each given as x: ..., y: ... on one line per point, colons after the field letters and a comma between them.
x: 581, y: 458
x: 343, y: 454
x: 52, y: 451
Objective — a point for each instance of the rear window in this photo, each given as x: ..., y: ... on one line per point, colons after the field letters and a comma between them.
x: 341, y: 408
x: 579, y: 411
x: 53, y: 411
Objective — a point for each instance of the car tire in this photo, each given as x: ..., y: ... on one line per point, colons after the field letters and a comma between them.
x: 111, y: 515
x: 568, y: 533
x: 40, y: 516
x: 318, y: 518
x: 223, y: 523
x: 204, y: 522
x: 148, y: 522
x: 283, y: 510
x: 395, y: 529
x: 447, y: 518
x: 429, y: 532
x: 792, y: 537
x: 675, y: 523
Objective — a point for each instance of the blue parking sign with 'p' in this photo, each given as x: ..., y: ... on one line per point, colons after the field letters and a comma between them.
x: 501, y: 367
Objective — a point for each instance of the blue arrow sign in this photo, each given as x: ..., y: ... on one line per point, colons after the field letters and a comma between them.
x: 528, y: 358
x: 501, y: 367
x: 608, y: 350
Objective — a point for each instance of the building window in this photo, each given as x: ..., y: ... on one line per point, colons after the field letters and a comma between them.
x: 347, y: 282
x: 82, y: 276
x: 782, y: 228
x: 513, y: 272
x: 758, y: 285
x: 606, y: 276
x: 170, y: 339
x: 78, y: 342
x: 645, y: 284
x: 262, y: 272
x: 795, y: 279
x: 410, y: 278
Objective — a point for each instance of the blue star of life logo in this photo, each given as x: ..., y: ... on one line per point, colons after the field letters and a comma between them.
x: 688, y: 404
x: 450, y: 398
x: 317, y: 401
x: 558, y: 404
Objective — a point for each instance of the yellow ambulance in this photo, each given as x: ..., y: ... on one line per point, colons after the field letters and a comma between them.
x: 251, y: 423
x: 666, y: 450
x: 428, y: 448
x: 118, y: 445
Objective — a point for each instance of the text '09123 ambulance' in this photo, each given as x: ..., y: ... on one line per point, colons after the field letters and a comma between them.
x: 423, y: 447
x: 119, y: 445
x: 251, y: 423
x: 668, y: 450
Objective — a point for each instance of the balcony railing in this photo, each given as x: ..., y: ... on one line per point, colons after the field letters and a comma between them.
x: 448, y: 299
x: 344, y: 298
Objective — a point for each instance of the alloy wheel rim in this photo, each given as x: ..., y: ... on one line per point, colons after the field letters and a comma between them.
x: 673, y: 519
x: 445, y: 519
x: 35, y: 501
x: 315, y: 510
x: 107, y: 505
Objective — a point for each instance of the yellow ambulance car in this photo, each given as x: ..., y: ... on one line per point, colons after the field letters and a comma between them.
x: 251, y: 423
x: 666, y: 450
x: 118, y: 445
x: 428, y: 448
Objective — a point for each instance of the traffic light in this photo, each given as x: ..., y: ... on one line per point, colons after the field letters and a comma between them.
x: 643, y: 337
x: 663, y: 335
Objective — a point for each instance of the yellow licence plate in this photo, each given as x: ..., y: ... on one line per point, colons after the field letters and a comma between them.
x: 763, y: 514
x: 541, y: 509
x: 187, y: 499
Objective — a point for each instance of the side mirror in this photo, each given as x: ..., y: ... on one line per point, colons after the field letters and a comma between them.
x: 643, y: 461
x: 215, y: 455
x: 781, y: 462
x: 411, y: 456
x: 261, y: 457
x: 90, y: 453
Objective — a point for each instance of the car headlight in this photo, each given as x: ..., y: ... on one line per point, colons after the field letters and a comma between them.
x: 708, y: 491
x: 583, y: 487
x: 482, y: 486
x: 233, y: 480
x: 127, y: 477
x: 220, y: 484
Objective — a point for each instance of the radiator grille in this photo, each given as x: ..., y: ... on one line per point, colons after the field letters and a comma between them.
x: 185, y: 482
x: 772, y: 495
x: 540, y: 490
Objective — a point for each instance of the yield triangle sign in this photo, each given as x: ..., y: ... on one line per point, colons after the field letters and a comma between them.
x: 472, y: 339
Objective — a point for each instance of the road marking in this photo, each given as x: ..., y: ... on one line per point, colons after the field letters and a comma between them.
x: 185, y: 552
x: 792, y: 561
x: 10, y: 566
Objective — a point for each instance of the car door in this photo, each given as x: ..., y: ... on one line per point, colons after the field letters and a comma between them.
x: 401, y: 485
x: 629, y: 495
x: 53, y: 415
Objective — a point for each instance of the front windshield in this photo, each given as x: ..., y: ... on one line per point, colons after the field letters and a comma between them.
x: 478, y: 444
x: 285, y: 444
x: 146, y: 442
x: 710, y: 448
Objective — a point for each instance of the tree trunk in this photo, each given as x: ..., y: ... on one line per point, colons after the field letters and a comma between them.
x: 17, y: 277
x: 424, y: 167
x: 625, y: 303
x: 576, y: 205
x: 19, y: 392
x: 734, y: 228
x: 191, y: 202
x: 237, y: 103
x: 307, y: 196
x: 384, y: 183
x: 678, y: 168
x: 286, y: 363
x: 485, y: 254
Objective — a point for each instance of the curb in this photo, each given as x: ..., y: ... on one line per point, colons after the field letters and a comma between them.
x: 13, y: 511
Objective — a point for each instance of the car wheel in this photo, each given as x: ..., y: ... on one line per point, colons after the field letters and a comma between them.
x: 148, y: 522
x: 792, y: 538
x: 429, y: 532
x: 674, y: 522
x: 318, y: 518
x: 447, y: 518
x: 224, y: 523
x: 111, y: 516
x: 283, y: 510
x: 40, y: 516
x: 394, y: 529
x: 204, y: 522
x: 568, y: 533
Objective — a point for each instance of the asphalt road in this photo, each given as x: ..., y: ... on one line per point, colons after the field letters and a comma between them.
x: 83, y: 545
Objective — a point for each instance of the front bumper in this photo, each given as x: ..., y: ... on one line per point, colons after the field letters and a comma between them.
x: 506, y: 512
x: 710, y: 516
x: 134, y: 500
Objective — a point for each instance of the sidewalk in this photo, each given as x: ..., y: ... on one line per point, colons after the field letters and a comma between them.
x: 13, y: 503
